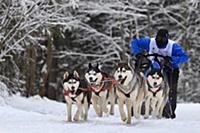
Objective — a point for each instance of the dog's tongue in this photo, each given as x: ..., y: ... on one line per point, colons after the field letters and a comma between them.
x: 121, y: 81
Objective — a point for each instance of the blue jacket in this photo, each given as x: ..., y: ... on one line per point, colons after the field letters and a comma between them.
x: 179, y: 56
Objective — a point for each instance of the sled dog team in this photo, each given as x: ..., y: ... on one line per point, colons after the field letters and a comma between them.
x: 131, y: 88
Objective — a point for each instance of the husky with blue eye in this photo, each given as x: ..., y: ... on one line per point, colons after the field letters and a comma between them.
x: 130, y: 91
x: 101, y: 86
x: 73, y: 93
x: 156, y: 92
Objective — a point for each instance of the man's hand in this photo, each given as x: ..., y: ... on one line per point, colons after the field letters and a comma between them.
x: 141, y: 54
x: 168, y: 61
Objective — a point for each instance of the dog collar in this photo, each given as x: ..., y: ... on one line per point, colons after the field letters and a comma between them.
x: 154, y: 92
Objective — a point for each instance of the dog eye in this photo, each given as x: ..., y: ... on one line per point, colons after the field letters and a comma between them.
x: 124, y: 71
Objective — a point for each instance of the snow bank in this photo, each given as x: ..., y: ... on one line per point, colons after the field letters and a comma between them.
x: 40, y: 115
x: 36, y: 104
x: 3, y: 93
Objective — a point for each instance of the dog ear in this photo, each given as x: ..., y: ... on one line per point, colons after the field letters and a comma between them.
x: 66, y: 74
x: 90, y: 65
x: 99, y: 66
x: 76, y: 74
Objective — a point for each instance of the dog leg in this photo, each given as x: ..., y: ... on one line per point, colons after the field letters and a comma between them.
x: 69, y: 111
x: 140, y: 108
x: 104, y: 104
x: 83, y: 112
x: 135, y: 109
x: 158, y: 107
x: 78, y: 112
x: 95, y: 105
x: 147, y: 108
x: 129, y: 106
x: 140, y: 100
x: 153, y: 105
x: 112, y: 101
x: 100, y: 101
x: 161, y: 110
x: 86, y: 105
x: 121, y: 109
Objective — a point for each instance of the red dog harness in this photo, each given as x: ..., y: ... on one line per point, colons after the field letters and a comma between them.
x: 100, y: 87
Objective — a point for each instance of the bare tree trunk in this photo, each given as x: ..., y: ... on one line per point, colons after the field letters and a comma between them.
x: 31, y: 69
x: 46, y: 74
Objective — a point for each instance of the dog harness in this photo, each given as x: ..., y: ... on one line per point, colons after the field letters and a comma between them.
x: 150, y: 89
x: 126, y: 90
x: 77, y: 93
x: 106, y: 84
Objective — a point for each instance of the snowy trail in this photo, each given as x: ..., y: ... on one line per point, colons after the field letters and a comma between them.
x: 36, y: 115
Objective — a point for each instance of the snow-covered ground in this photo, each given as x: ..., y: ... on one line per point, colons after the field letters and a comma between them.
x: 37, y: 115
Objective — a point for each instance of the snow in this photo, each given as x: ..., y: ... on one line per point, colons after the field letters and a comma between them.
x: 41, y: 115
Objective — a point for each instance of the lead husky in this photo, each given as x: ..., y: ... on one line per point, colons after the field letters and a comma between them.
x: 157, y: 91
x: 129, y: 90
x: 74, y: 94
x: 102, y: 89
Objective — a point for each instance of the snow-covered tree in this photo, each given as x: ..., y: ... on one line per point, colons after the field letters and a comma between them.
x: 43, y: 38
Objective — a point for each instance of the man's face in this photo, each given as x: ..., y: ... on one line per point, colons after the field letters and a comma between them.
x: 161, y: 41
x: 162, y: 38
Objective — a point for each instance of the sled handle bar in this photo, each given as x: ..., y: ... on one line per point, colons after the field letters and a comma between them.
x: 155, y: 55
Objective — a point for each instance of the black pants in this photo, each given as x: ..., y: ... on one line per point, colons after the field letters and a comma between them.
x: 172, y: 78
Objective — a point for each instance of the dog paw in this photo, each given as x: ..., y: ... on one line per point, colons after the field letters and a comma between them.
x: 85, y: 117
x: 146, y: 117
x: 105, y: 110
x: 123, y: 118
x: 128, y: 121
x: 111, y: 112
x: 100, y: 114
x: 76, y: 118
x: 137, y: 116
x: 159, y: 117
x: 69, y: 120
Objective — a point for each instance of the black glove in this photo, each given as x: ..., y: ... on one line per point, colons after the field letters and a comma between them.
x: 138, y: 56
x: 168, y: 61
x: 141, y: 54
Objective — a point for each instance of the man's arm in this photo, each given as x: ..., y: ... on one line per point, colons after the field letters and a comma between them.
x: 137, y: 45
x: 179, y: 56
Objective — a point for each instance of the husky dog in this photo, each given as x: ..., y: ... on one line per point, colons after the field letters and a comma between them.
x: 156, y: 92
x: 74, y: 94
x: 102, y: 89
x: 129, y: 90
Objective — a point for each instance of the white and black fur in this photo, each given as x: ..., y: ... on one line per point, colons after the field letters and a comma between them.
x: 74, y: 94
x: 156, y: 92
x: 102, y: 90
x: 129, y: 90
